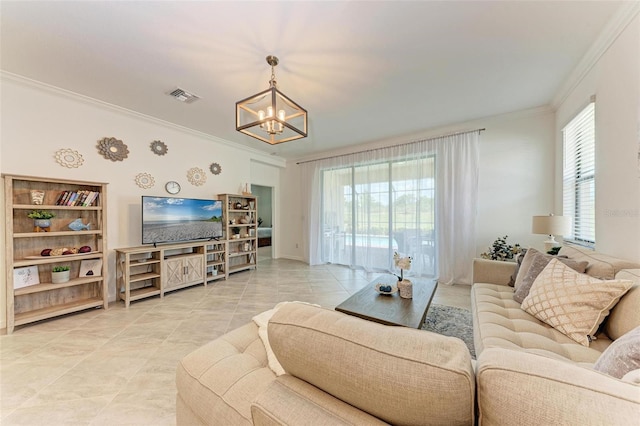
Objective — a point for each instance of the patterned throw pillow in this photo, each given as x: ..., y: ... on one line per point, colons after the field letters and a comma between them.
x: 538, y: 263
x: 574, y: 304
x: 622, y: 356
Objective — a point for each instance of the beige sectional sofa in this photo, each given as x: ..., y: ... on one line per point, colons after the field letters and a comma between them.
x: 340, y: 370
x: 345, y: 370
x: 529, y: 373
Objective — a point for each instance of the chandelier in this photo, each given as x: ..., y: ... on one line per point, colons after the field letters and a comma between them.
x: 270, y: 115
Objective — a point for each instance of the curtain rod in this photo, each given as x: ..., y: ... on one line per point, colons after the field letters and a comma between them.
x: 393, y: 146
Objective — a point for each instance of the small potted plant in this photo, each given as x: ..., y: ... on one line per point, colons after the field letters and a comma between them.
x: 41, y: 219
x: 60, y: 274
x: 500, y: 250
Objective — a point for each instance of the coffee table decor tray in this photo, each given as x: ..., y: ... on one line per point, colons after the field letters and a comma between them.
x: 386, y: 289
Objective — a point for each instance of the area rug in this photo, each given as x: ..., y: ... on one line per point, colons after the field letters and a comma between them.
x: 451, y: 321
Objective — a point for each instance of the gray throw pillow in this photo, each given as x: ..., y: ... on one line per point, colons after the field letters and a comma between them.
x: 519, y: 258
x: 538, y: 262
x: 622, y: 356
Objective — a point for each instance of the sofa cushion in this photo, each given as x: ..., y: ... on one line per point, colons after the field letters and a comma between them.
x: 537, y: 263
x: 521, y: 389
x: 217, y: 382
x: 398, y: 374
x: 622, y: 356
x: 573, y: 303
x: 625, y: 316
x: 291, y: 401
x: 499, y: 322
x: 601, y: 265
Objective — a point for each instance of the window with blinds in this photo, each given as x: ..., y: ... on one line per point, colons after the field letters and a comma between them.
x: 578, y: 176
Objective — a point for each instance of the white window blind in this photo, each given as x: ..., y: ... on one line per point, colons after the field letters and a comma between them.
x: 578, y: 176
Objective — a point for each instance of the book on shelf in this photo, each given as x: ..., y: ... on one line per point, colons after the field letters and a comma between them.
x: 83, y: 198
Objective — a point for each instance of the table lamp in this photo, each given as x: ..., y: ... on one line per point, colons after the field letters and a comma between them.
x: 551, y: 225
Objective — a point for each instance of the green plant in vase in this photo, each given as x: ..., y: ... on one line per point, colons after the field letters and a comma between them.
x: 60, y: 274
x: 41, y: 219
x: 500, y: 250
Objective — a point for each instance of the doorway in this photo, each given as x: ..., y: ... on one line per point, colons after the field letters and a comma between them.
x: 265, y: 221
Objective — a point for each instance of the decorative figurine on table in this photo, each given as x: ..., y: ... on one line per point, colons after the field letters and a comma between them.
x: 405, y: 287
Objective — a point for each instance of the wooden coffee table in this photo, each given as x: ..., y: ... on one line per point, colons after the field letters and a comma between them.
x: 391, y: 309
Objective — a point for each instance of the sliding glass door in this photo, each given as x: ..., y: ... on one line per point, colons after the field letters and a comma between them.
x: 371, y: 211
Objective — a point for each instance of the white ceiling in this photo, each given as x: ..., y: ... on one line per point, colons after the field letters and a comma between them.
x: 365, y: 71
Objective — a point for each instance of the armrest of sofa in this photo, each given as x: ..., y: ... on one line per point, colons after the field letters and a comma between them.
x: 291, y: 401
x: 492, y: 271
x: 520, y: 388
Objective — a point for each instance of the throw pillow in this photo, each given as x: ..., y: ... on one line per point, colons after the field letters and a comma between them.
x: 538, y: 263
x: 519, y: 257
x: 574, y: 304
x: 622, y: 356
x: 525, y: 264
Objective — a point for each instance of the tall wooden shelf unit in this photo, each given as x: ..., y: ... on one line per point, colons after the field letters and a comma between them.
x: 24, y: 246
x: 241, y: 231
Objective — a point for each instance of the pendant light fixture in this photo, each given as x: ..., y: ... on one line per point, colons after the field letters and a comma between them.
x: 270, y: 115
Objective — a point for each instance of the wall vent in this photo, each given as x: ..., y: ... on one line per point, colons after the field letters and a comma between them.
x: 183, y: 96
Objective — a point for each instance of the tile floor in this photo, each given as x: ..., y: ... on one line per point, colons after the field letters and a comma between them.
x: 117, y: 366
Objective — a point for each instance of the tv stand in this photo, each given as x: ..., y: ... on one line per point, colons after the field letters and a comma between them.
x: 148, y: 271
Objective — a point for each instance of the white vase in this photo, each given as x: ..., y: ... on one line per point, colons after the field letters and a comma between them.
x: 405, y: 288
x: 60, y: 277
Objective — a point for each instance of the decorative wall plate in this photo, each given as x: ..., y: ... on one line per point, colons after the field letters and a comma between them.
x: 112, y: 149
x: 196, y: 176
x: 159, y: 147
x: 145, y: 180
x: 67, y: 157
x: 215, y: 168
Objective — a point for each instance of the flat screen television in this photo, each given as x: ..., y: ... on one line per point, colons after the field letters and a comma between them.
x: 170, y: 220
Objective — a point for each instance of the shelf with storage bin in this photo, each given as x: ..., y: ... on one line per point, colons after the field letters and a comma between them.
x: 39, y: 298
x: 241, y: 231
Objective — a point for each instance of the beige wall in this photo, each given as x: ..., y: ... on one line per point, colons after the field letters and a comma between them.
x: 36, y: 121
x: 615, y: 82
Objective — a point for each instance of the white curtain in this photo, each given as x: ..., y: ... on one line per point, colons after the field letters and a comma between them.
x: 418, y: 199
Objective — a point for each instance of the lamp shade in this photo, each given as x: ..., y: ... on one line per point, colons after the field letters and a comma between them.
x: 551, y: 225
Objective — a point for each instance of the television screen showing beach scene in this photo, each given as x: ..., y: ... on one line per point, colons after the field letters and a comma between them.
x: 168, y: 219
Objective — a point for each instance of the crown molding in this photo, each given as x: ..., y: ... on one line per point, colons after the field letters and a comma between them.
x: 623, y: 17
x: 255, y: 154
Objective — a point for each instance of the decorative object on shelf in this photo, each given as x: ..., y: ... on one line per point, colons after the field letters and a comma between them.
x: 145, y: 180
x: 215, y: 168
x: 404, y: 286
x: 246, y: 189
x: 196, y: 176
x: 386, y: 289
x: 270, y: 116
x: 24, y: 277
x: 90, y: 268
x: 245, y: 220
x: 60, y: 274
x: 41, y: 220
x: 500, y: 250
x: 237, y: 205
x: 236, y: 232
x: 37, y: 197
x: 551, y: 225
x: 70, y: 158
x: 172, y: 187
x: 159, y: 147
x: 77, y: 225
x: 62, y: 251
x: 112, y: 149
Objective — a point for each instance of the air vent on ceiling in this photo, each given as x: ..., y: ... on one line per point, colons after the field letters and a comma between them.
x: 183, y: 96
